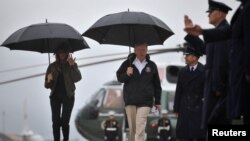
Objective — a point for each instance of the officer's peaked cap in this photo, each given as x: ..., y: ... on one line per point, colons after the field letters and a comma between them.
x: 193, y: 46
x: 214, y: 5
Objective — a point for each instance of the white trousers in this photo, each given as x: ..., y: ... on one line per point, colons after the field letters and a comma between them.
x: 137, y: 120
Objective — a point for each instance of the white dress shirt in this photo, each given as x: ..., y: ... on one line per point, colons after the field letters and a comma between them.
x: 140, y: 65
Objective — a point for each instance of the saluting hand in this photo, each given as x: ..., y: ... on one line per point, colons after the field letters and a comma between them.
x: 196, y: 30
x: 188, y: 22
x: 190, y: 28
x: 70, y: 60
x: 129, y: 71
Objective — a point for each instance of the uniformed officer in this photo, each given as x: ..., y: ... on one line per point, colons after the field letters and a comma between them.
x: 239, y: 68
x: 164, y: 127
x: 217, y: 66
x: 189, y: 95
x: 111, y: 128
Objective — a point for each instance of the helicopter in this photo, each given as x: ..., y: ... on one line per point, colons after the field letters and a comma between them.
x: 90, y: 119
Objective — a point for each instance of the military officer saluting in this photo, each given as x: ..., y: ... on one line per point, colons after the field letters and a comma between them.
x: 111, y: 127
x: 164, y: 127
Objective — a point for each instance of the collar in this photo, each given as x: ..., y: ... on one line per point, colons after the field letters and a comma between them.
x: 140, y: 65
x: 194, y: 66
x: 138, y: 61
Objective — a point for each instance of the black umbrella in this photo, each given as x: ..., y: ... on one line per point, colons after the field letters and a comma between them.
x: 129, y: 28
x: 45, y: 38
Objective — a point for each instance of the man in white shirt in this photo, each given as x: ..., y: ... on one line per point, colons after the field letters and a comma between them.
x: 142, y: 89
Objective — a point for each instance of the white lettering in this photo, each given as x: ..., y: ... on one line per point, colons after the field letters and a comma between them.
x: 216, y: 132
x: 244, y: 133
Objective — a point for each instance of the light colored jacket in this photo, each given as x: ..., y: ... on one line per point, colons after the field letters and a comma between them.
x: 71, y: 75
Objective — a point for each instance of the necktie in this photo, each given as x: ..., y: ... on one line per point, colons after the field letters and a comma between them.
x: 192, y: 69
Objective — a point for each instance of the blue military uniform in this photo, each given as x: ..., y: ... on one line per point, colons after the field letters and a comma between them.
x: 188, y: 97
x: 217, y: 66
x: 239, y: 33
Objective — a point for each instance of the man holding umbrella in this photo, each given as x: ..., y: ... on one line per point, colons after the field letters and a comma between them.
x: 142, y: 89
x: 139, y: 74
x: 60, y: 78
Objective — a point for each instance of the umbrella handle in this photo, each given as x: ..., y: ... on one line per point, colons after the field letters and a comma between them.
x: 49, y: 58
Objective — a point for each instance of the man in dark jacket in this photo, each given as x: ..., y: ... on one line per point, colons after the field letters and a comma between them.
x: 216, y: 82
x: 141, y: 90
x: 239, y: 65
x: 189, y: 94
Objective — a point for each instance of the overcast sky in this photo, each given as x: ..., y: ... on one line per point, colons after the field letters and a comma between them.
x: 80, y: 14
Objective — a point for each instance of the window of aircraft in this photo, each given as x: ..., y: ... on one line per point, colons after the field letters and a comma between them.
x: 113, y: 99
x: 98, y: 97
x: 167, y: 100
x: 161, y: 73
x: 172, y: 73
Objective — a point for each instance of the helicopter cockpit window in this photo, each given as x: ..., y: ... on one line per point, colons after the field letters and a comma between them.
x: 113, y: 99
x: 172, y: 73
x: 98, y: 97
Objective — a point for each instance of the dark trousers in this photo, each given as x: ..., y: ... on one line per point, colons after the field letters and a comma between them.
x: 110, y: 140
x: 61, y: 108
x: 193, y: 139
x: 164, y: 139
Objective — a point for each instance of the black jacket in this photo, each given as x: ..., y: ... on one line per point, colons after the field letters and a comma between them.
x: 140, y: 89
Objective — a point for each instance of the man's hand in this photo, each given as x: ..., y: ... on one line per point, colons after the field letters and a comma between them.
x: 176, y: 114
x: 70, y: 60
x: 188, y: 22
x: 218, y: 93
x: 49, y: 77
x: 129, y: 71
x: 248, y: 79
x: 158, y: 107
x: 196, y: 30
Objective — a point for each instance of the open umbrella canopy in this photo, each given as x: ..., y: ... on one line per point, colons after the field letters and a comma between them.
x: 129, y: 28
x: 45, y: 38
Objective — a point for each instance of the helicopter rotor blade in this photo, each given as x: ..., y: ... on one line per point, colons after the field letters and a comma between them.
x: 152, y: 52
x: 41, y: 65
